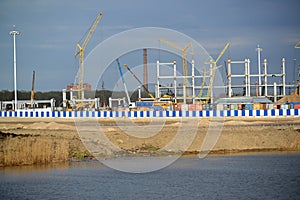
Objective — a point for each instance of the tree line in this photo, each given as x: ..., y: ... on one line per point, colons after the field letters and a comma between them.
x: 6, y: 95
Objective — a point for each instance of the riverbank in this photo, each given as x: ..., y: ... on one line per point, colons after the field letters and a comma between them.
x: 25, y: 141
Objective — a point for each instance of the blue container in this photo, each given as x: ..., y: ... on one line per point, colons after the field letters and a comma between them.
x: 157, y: 108
x: 249, y: 106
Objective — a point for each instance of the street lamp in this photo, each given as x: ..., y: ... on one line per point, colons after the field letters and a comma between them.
x: 14, y: 33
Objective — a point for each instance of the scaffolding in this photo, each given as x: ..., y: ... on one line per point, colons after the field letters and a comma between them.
x: 248, y: 87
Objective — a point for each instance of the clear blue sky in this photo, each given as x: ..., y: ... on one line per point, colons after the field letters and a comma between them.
x: 51, y: 29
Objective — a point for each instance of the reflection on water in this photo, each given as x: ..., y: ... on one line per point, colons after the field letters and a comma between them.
x: 215, y: 177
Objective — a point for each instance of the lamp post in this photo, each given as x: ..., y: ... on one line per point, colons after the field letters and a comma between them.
x: 14, y: 33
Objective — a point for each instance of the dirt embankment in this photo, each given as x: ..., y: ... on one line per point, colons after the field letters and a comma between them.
x: 34, y: 141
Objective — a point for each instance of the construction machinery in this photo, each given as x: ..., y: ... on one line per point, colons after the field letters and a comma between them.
x: 184, y: 51
x: 213, y: 68
x: 122, y: 77
x: 140, y: 82
x: 80, y: 48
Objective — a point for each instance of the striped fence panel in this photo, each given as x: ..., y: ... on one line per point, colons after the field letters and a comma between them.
x: 147, y: 114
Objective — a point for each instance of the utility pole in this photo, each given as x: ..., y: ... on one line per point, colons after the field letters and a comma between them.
x: 14, y: 33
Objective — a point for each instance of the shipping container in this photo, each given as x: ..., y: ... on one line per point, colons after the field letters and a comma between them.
x: 177, y: 107
x: 184, y: 107
x: 284, y: 106
x: 249, y: 106
x: 220, y: 106
x: 240, y: 107
x: 256, y: 106
x: 270, y: 106
x: 198, y: 106
x: 296, y: 106
x: 234, y: 106
x: 191, y: 107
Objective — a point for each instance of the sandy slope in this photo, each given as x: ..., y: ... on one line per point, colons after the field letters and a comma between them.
x: 38, y: 140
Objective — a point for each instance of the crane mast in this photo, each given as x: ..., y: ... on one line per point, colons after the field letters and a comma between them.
x: 214, y: 67
x: 80, y: 51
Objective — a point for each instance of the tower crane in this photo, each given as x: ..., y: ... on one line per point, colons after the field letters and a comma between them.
x: 80, y: 51
x: 214, y: 67
x: 184, y: 56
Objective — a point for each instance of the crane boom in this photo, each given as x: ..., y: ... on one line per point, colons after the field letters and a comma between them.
x: 214, y: 67
x: 184, y: 56
x: 80, y: 51
x: 140, y: 82
x: 125, y: 87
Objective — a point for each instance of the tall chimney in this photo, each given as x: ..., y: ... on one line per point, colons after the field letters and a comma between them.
x: 145, y: 68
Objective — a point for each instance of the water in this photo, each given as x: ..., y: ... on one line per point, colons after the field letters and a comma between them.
x: 217, y: 177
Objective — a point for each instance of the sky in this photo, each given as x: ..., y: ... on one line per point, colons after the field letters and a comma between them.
x: 50, y: 31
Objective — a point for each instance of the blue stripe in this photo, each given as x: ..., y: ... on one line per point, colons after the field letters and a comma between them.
x: 148, y: 113
x: 288, y: 112
x: 194, y: 113
x: 21, y: 114
x: 207, y: 113
x: 42, y: 114
x: 250, y: 112
x: 31, y: 114
x: 141, y: 114
x: 280, y: 112
x: 167, y: 113
x: 222, y: 113
x: 201, y: 113
x: 110, y: 114
x: 135, y: 114
x: 214, y: 113
x: 228, y: 113
x: 117, y: 114
x: 296, y: 112
x: 243, y: 113
x: 47, y: 114
x: 98, y: 114
x: 180, y: 113
x: 265, y: 112
x: 160, y: 113
x: 272, y: 112
x: 235, y: 113
x: 257, y: 112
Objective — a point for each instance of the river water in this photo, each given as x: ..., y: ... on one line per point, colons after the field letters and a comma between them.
x: 260, y: 176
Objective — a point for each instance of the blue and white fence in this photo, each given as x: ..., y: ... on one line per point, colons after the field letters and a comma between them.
x: 145, y: 114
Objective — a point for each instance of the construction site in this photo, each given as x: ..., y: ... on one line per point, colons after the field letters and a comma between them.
x: 185, y: 87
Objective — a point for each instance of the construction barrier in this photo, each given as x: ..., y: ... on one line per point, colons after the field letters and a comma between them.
x: 141, y: 114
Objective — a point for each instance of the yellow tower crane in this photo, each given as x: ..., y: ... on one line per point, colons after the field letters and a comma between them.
x: 80, y: 51
x: 184, y: 56
x: 214, y: 67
